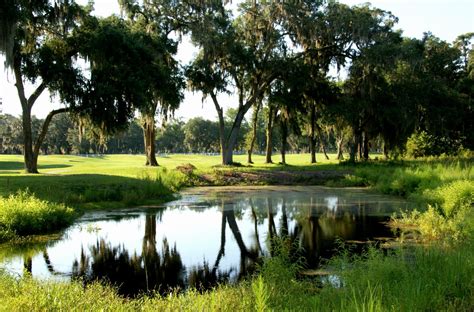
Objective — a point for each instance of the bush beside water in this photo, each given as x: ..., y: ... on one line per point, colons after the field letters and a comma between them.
x: 24, y: 214
x: 46, y: 207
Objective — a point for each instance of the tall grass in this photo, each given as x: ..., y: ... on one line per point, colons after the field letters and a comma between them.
x: 414, y: 279
x: 420, y: 279
x: 43, y: 208
x: 413, y: 179
x: 443, y: 188
x: 23, y: 214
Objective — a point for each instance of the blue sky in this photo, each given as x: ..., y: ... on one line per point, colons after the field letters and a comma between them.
x: 444, y: 18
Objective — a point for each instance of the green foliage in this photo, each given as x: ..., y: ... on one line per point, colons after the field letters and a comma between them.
x: 201, y: 136
x: 431, y: 225
x: 23, y: 214
x: 406, y: 280
x: 170, y: 137
x: 349, y: 180
x: 444, y: 185
x: 367, y: 299
x: 451, y: 219
x: 422, y: 144
x: 31, y: 295
x: 454, y: 197
x: 261, y: 294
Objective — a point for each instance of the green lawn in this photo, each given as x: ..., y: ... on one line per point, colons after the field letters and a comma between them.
x: 131, y: 165
x: 109, y: 181
x: 121, y: 180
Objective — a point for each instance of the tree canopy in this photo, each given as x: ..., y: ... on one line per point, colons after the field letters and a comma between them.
x: 276, y: 58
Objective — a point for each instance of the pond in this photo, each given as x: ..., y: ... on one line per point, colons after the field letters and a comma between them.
x: 208, y: 236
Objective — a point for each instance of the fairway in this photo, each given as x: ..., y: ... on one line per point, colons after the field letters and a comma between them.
x: 114, y: 181
x: 134, y: 165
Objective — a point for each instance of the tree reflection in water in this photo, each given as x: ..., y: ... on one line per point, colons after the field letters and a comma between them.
x: 309, y: 228
x: 159, y: 271
x: 136, y: 274
x: 259, y: 222
x: 203, y: 277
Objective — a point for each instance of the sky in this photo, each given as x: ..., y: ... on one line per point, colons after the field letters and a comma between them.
x: 444, y: 18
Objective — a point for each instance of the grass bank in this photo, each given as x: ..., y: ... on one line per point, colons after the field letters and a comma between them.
x: 70, y: 185
x: 443, y: 188
x: 116, y: 181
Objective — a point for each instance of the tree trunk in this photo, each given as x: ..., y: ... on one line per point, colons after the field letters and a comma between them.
x: 354, y: 146
x: 222, y: 136
x: 323, y: 143
x: 385, y: 151
x: 284, y: 135
x: 359, y: 144
x: 366, y: 146
x: 149, y: 136
x: 44, y: 130
x: 31, y: 158
x: 254, y: 131
x: 312, y: 138
x: 323, y: 147
x: 269, y: 135
x: 228, y: 143
x: 233, y: 137
x: 340, y: 156
x: 225, y: 154
x: 31, y: 161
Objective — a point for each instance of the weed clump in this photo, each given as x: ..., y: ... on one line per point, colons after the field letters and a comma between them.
x: 23, y: 214
x: 442, y: 187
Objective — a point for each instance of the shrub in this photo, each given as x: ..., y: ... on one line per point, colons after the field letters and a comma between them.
x: 422, y: 144
x: 456, y: 196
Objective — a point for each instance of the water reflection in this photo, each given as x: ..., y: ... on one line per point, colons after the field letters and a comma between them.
x: 152, y: 270
x: 205, y: 239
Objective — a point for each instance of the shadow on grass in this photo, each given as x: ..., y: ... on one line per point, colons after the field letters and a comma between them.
x: 96, y: 190
x: 18, y: 165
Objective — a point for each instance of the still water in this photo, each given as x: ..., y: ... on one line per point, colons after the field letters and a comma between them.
x: 209, y: 235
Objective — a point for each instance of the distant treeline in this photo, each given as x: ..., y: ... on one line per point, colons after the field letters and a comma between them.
x: 197, y: 135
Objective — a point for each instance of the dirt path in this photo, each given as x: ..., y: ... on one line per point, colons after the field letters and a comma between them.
x: 280, y: 177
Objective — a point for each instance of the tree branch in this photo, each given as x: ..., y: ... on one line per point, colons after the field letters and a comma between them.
x: 19, y: 83
x: 33, y: 97
x: 44, y: 129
